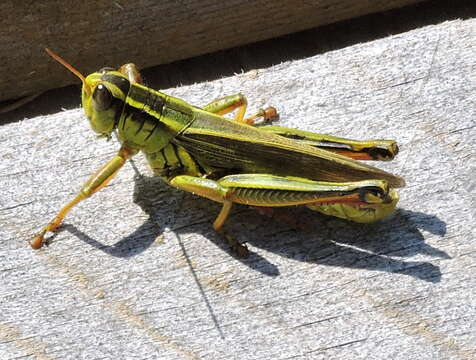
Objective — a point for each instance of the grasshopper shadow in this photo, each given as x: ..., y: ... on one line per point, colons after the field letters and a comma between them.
x: 381, y: 246
x: 171, y: 209
x: 315, y: 238
x: 149, y: 195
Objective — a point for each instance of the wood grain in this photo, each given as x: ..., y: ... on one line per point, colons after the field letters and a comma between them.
x: 137, y: 271
x: 92, y: 34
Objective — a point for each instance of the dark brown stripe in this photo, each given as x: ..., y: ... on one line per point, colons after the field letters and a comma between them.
x: 148, y: 99
x: 121, y: 82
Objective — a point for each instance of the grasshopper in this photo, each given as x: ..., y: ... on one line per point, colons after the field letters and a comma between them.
x: 230, y: 160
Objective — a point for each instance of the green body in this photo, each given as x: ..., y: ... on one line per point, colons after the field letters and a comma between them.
x: 181, y: 139
x: 229, y: 161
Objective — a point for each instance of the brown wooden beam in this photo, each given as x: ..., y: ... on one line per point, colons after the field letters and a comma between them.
x: 92, y: 34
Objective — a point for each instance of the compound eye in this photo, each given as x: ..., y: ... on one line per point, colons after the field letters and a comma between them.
x: 102, y: 98
x: 106, y: 70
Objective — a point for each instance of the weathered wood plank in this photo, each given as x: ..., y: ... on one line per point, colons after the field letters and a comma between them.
x: 138, y: 272
x: 92, y: 34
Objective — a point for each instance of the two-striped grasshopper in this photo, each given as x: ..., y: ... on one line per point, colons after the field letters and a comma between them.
x: 230, y: 161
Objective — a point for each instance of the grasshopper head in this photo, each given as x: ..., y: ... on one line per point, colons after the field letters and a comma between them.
x: 103, y: 95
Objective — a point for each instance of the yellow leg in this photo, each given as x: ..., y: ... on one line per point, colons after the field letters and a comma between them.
x: 213, y: 191
x: 227, y: 104
x: 95, y: 183
x: 383, y: 150
x: 361, y: 201
x: 132, y: 73
x: 222, y: 216
x: 240, y: 249
x: 359, y: 150
x: 269, y: 114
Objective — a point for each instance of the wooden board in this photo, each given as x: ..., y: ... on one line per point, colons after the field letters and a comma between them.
x: 137, y: 271
x: 93, y: 34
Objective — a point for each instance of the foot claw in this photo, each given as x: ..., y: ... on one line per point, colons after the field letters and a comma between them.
x: 270, y: 114
x: 37, y: 241
x: 241, y: 250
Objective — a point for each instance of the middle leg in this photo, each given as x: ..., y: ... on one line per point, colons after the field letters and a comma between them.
x: 227, y: 104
